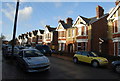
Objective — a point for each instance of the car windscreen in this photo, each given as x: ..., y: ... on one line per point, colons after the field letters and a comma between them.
x: 45, y: 47
x: 92, y: 54
x: 32, y: 53
x: 39, y: 47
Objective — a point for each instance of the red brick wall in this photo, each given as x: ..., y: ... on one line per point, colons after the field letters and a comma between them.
x: 110, y: 47
x: 99, y: 30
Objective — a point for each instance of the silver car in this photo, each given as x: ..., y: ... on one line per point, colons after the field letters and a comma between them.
x: 31, y: 60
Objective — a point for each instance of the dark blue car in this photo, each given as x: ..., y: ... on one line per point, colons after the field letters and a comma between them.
x: 116, y: 66
x: 44, y: 49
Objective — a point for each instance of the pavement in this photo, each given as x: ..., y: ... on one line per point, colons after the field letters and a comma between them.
x: 63, y: 57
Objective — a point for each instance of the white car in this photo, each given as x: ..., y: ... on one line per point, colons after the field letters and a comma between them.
x: 31, y: 60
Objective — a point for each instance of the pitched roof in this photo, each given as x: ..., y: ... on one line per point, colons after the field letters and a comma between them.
x: 41, y: 31
x: 85, y: 19
x: 93, y: 19
x: 50, y: 28
x: 111, y: 13
x: 64, y: 24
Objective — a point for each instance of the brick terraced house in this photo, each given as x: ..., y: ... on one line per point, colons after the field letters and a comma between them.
x: 80, y: 34
x: 100, y: 34
x: 114, y: 30
x: 62, y: 29
x: 97, y: 32
x: 49, y: 35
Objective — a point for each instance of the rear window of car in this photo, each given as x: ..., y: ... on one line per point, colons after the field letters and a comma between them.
x: 85, y: 53
x: 78, y: 52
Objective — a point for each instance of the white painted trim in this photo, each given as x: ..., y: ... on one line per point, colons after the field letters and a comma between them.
x: 114, y: 49
x: 47, y: 41
x: 39, y: 42
x: 82, y: 40
x: 61, y: 30
x: 117, y: 39
x: 77, y: 19
x: 61, y: 37
x: 79, y: 26
x: 114, y: 10
x: 62, y: 41
x: 59, y: 46
x: 59, y: 24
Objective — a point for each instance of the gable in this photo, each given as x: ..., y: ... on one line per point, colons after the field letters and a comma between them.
x: 46, y: 30
x: 78, y: 20
x: 113, y: 12
x: 39, y: 33
x: 60, y: 27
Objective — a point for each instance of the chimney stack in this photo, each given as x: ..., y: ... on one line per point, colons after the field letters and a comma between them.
x: 47, y: 26
x: 69, y: 21
x: 117, y: 2
x: 99, y: 11
x: 62, y: 21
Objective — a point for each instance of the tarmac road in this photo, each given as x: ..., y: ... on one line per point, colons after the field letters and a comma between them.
x: 60, y: 69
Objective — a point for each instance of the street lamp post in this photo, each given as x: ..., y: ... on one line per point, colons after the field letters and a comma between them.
x: 15, y: 24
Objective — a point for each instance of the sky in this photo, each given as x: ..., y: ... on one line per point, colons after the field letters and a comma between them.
x: 35, y: 15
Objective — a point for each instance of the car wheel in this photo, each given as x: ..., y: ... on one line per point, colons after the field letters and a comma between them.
x: 117, y: 68
x: 95, y: 64
x: 75, y: 60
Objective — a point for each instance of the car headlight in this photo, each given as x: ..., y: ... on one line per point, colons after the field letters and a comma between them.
x: 99, y: 60
x: 44, y: 50
x: 113, y: 62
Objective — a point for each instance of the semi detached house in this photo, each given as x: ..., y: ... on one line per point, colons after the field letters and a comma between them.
x: 100, y: 34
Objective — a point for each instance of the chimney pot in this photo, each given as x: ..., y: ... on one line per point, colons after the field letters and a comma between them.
x: 117, y: 2
x: 99, y: 11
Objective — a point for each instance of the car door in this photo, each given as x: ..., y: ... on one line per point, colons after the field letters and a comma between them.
x: 78, y: 55
x: 20, y: 57
x: 86, y: 57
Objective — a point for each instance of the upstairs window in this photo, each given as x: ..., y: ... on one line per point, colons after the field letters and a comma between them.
x: 82, y: 31
x: 115, y: 26
x: 68, y: 33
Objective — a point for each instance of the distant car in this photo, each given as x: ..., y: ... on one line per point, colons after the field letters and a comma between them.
x: 31, y: 60
x: 20, y: 47
x: 90, y: 57
x: 116, y: 66
x: 44, y: 49
x: 9, y: 52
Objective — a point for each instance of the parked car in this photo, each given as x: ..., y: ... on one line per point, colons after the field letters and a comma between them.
x: 9, y: 52
x: 20, y: 47
x: 31, y: 60
x: 44, y: 49
x: 116, y: 66
x: 90, y: 57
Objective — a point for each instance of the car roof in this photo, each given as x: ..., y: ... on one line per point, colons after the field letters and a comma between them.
x: 28, y: 49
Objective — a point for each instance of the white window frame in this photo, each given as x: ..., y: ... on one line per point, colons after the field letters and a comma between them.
x: 114, y: 49
x: 118, y: 48
x: 59, y: 46
x: 119, y: 24
x: 78, y: 46
x: 63, y: 46
x: 79, y: 31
